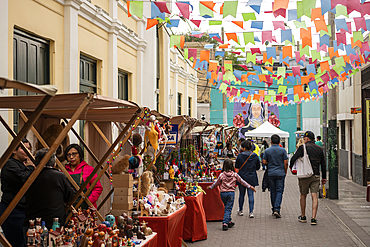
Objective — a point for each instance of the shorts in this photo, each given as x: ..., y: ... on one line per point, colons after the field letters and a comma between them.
x: 312, y: 183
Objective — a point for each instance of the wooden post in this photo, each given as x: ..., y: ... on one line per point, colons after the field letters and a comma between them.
x: 133, y: 119
x: 46, y: 158
x: 101, y: 133
x: 34, y: 116
x: 106, y: 155
x: 105, y: 199
x: 59, y: 164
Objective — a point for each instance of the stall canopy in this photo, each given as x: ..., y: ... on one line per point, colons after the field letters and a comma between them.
x: 267, y: 130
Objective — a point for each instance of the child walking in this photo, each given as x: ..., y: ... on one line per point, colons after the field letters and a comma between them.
x: 227, y: 180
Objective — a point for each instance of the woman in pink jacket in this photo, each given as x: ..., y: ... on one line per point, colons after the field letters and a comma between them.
x: 80, y: 171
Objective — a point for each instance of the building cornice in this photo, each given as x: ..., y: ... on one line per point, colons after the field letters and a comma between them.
x: 175, y: 68
x: 99, y: 18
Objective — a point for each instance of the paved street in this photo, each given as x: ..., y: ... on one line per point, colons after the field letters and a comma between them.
x: 335, y: 227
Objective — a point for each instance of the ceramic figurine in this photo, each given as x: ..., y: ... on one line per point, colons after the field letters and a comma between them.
x: 171, y: 172
x: 55, y: 224
x: 31, y: 234
x: 147, y: 230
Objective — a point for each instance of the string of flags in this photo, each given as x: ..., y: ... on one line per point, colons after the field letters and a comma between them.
x: 314, y: 74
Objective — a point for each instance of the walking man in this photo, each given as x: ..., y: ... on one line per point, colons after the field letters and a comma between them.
x: 317, y: 159
x: 318, y: 142
x: 276, y: 160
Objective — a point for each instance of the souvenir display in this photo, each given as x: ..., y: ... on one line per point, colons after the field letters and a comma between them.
x: 82, y: 231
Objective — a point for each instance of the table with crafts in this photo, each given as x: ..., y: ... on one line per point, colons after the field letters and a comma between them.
x: 168, y: 228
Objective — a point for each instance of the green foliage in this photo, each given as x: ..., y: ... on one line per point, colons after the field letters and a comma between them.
x: 146, y: 161
x: 160, y: 165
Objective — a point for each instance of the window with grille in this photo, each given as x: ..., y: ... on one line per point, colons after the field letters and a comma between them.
x: 179, y: 99
x: 31, y: 63
x: 189, y: 106
x: 87, y: 75
x: 123, y: 86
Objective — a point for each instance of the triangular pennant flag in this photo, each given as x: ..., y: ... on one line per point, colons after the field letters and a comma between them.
x: 205, y: 11
x: 230, y: 8
x: 278, y: 24
x: 151, y: 23
x: 249, y: 16
x: 232, y: 36
x: 155, y: 12
x: 238, y: 23
x: 135, y: 8
x: 162, y: 7
x: 196, y: 22
x: 208, y: 4
x: 184, y: 9
x: 280, y: 4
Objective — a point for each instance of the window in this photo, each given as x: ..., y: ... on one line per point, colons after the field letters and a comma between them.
x: 179, y: 98
x: 189, y: 106
x: 122, y: 85
x: 30, y: 63
x: 157, y: 95
x: 343, y: 134
x: 87, y: 75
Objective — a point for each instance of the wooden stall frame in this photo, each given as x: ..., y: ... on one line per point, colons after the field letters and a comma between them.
x: 133, y: 121
x: 59, y: 164
x: 46, y: 158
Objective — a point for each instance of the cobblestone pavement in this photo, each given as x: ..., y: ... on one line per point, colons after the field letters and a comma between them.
x: 266, y: 230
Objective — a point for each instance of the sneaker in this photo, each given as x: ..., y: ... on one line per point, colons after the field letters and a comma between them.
x: 313, y: 221
x: 302, y: 219
x: 240, y: 213
x: 231, y: 224
x: 225, y: 227
x: 277, y: 214
x: 251, y: 215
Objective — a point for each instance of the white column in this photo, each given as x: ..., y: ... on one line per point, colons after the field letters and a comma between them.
x: 112, y: 51
x: 174, y: 83
x: 195, y: 95
x: 167, y: 75
x: 71, y: 54
x: 140, y: 87
x: 186, y: 90
x: 4, y: 68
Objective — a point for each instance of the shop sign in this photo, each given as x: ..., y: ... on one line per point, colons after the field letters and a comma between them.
x: 356, y: 110
x: 172, y: 136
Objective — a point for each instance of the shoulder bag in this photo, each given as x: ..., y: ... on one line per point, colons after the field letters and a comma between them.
x: 304, y: 167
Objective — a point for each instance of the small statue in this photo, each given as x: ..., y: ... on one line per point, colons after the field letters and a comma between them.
x: 31, y: 234
x: 147, y: 230
x: 171, y: 172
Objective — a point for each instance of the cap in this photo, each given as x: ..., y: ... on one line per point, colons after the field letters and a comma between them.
x: 310, y: 135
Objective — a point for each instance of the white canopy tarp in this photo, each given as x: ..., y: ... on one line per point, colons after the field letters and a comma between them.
x: 266, y: 130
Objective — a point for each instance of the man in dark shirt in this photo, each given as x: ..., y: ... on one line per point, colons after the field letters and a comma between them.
x: 317, y: 159
x: 14, y: 174
x: 46, y: 197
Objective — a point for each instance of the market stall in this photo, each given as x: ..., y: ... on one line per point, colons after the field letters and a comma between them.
x: 168, y: 228
x: 267, y: 130
x: 86, y: 107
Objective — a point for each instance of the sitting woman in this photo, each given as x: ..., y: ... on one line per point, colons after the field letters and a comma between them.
x: 80, y: 171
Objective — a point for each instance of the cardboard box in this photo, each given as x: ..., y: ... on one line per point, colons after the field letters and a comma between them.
x: 123, y: 192
x: 122, y: 180
x: 117, y: 213
x: 122, y: 199
x: 123, y: 206
x: 169, y: 183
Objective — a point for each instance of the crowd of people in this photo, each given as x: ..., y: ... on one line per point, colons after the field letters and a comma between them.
x: 47, y: 196
x: 274, y: 159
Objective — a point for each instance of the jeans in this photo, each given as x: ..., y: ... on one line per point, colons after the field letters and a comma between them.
x: 276, y: 184
x: 13, y: 226
x: 263, y: 166
x: 228, y: 200
x: 250, y: 193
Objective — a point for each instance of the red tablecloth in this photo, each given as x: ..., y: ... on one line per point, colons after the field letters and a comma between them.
x: 151, y: 241
x: 212, y: 203
x: 195, y: 224
x: 217, y: 173
x: 169, y: 229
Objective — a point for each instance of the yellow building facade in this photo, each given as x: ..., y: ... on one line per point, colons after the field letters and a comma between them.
x: 93, y: 46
